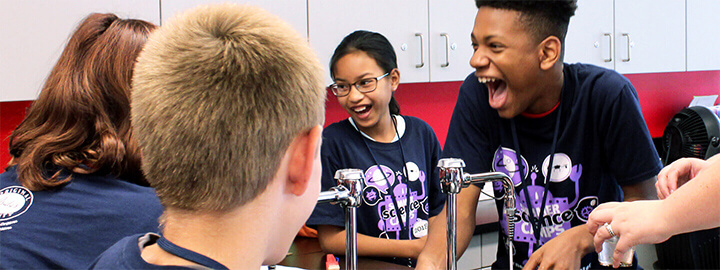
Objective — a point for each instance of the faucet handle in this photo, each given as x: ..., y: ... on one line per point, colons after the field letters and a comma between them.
x: 451, y: 175
x: 353, y: 180
x: 451, y: 163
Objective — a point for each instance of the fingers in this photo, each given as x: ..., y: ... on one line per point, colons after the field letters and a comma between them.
x: 533, y: 261
x: 600, y: 236
x: 667, y: 180
x: 601, y: 215
x: 621, y: 249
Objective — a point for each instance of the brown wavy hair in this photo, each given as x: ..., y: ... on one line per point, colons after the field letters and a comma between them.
x: 80, y: 122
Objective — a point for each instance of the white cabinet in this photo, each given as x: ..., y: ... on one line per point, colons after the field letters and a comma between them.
x: 403, y: 22
x: 292, y: 11
x: 431, y: 38
x: 34, y: 33
x: 703, y: 35
x: 451, y: 22
x: 590, y: 34
x: 631, y: 36
x: 649, y: 36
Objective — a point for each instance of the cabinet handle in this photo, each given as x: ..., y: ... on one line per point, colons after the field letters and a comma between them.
x: 422, y: 53
x: 610, y: 50
x: 447, y: 49
x: 628, y: 47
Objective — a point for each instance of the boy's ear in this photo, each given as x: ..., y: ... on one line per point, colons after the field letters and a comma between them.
x: 303, y: 151
x: 550, y: 51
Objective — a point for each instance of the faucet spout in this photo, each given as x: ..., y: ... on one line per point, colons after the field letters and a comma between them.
x: 452, y: 181
x: 507, y: 184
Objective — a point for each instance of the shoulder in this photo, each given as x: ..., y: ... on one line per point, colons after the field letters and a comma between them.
x: 338, y: 129
x: 416, y: 123
x: 124, y: 254
x: 597, y: 84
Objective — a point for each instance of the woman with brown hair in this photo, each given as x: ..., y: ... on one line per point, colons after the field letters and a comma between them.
x: 74, y: 185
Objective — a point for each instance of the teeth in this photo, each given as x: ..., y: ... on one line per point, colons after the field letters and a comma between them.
x: 360, y: 109
x: 485, y: 79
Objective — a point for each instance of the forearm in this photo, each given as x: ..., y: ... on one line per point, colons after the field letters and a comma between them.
x: 435, y: 251
x: 644, y: 190
x: 370, y: 246
x: 695, y: 205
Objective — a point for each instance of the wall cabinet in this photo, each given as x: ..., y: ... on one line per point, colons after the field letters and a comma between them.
x: 403, y: 22
x: 431, y: 38
x: 703, y: 35
x: 292, y: 11
x: 34, y: 33
x: 631, y: 36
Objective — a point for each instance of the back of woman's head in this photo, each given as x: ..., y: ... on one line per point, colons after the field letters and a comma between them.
x: 81, y: 120
x: 376, y: 46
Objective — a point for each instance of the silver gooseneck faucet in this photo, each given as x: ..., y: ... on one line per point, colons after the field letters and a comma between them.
x: 347, y: 194
x: 452, y: 180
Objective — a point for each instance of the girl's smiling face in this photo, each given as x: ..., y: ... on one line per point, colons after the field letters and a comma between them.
x: 370, y: 111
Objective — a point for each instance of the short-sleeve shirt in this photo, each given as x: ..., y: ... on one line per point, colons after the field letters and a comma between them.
x: 67, y: 227
x: 397, y: 174
x: 603, y: 143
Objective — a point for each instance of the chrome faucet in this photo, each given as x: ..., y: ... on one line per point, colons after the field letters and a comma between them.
x: 347, y: 194
x: 452, y: 181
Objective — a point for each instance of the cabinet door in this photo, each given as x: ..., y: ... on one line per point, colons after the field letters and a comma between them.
x: 703, y: 35
x: 403, y: 22
x: 293, y: 12
x: 649, y: 36
x: 589, y: 38
x: 34, y: 33
x: 451, y: 22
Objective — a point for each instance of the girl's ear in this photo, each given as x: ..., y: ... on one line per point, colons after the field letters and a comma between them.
x: 395, y: 78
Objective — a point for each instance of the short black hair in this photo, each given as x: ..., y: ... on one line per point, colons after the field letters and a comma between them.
x: 542, y: 18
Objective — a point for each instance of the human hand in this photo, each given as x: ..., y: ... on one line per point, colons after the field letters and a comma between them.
x: 562, y: 252
x: 676, y: 174
x: 638, y: 222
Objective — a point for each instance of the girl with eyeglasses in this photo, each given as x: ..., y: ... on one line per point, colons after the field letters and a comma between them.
x: 401, y: 194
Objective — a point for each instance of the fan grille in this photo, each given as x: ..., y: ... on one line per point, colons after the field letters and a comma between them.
x: 686, y: 136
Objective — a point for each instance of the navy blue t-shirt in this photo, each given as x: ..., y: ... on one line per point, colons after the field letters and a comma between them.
x: 126, y: 254
x: 69, y: 226
x: 603, y: 144
x: 344, y: 147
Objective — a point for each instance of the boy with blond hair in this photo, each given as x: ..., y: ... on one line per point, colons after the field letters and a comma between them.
x: 227, y: 107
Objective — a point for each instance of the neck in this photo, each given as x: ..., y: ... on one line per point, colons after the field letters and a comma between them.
x: 550, y: 93
x: 234, y: 239
x: 384, y: 131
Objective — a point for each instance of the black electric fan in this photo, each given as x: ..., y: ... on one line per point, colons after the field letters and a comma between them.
x: 692, y: 132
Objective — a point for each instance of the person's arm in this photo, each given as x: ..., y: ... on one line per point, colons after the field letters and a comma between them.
x: 567, y: 249
x: 332, y: 240
x: 434, y: 255
x: 678, y: 173
x: 691, y: 207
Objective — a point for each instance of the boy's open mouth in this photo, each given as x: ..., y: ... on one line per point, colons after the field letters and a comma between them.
x: 497, y: 91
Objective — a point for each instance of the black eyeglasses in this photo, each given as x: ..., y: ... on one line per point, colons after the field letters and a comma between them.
x: 366, y: 85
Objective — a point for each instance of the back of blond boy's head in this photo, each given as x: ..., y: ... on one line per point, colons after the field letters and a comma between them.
x: 219, y: 93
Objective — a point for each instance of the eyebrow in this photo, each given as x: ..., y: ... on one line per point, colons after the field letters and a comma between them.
x: 362, y: 76
x: 485, y: 39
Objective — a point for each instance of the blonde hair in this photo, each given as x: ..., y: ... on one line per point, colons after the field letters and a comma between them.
x: 219, y: 93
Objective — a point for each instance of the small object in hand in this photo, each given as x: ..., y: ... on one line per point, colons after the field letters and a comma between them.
x: 331, y: 262
x: 605, y: 257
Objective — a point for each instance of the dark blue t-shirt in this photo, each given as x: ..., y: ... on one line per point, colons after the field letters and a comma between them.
x: 344, y: 147
x: 69, y: 226
x: 126, y: 254
x: 603, y: 144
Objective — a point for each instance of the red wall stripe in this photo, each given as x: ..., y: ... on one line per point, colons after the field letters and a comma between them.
x: 661, y: 96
